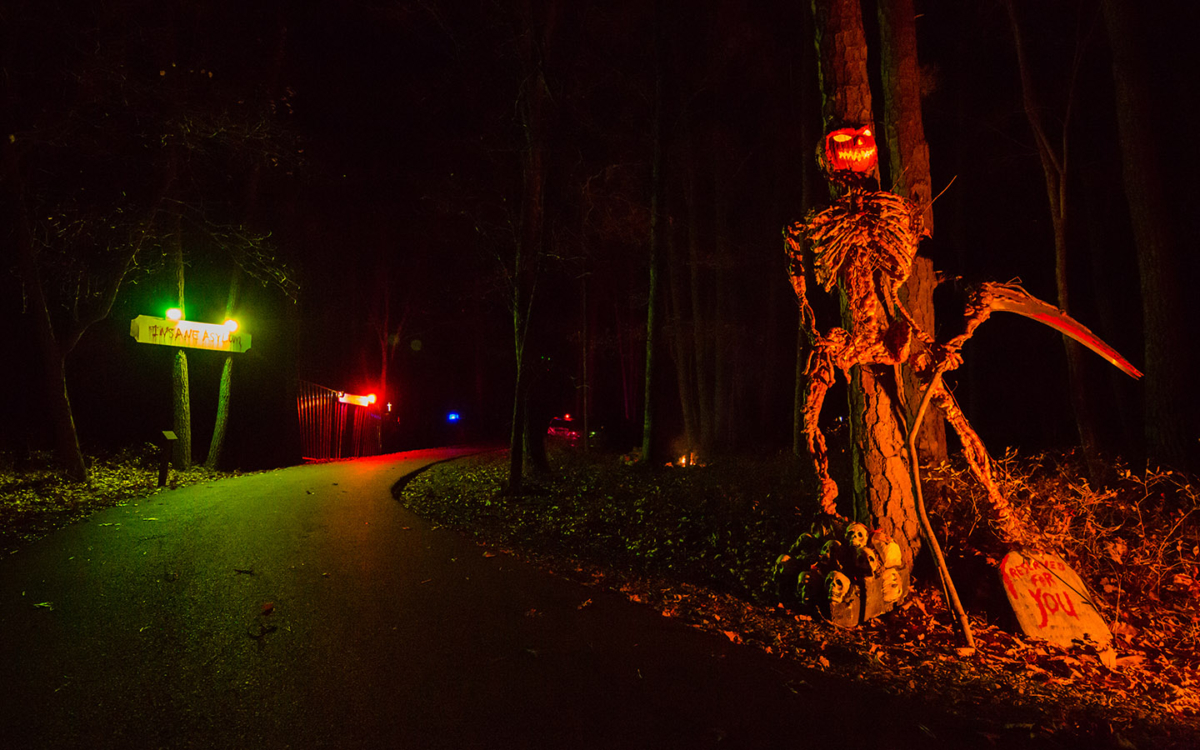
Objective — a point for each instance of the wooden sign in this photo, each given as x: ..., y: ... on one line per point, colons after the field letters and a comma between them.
x: 147, y: 329
x: 1051, y: 602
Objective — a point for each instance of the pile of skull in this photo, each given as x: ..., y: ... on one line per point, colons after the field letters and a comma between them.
x: 843, y: 571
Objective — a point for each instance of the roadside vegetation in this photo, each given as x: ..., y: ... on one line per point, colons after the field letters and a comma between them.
x: 36, y: 497
x: 699, y: 543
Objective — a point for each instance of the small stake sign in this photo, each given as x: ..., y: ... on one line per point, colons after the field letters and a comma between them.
x: 1051, y: 602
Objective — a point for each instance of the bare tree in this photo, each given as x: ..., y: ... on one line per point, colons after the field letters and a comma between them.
x: 908, y: 154
x: 1170, y: 415
x: 1056, y: 167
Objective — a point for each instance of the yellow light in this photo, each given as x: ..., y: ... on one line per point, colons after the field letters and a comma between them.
x: 350, y: 398
x: 174, y: 314
x: 231, y: 324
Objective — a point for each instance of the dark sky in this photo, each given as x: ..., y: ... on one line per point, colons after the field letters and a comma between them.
x: 406, y: 141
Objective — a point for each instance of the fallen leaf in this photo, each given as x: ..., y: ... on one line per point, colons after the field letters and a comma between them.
x: 268, y: 608
x: 1133, y: 660
x: 44, y: 605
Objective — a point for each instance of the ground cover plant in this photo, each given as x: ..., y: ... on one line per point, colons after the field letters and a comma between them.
x: 36, y: 498
x: 698, y: 544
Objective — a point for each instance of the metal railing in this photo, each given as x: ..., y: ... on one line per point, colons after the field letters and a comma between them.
x: 330, y: 428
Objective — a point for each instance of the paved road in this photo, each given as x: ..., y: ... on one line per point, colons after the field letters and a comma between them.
x: 382, y: 632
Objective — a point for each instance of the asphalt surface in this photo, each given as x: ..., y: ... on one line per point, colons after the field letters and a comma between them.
x: 305, y: 608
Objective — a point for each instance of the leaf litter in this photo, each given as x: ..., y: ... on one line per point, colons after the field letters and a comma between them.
x: 697, y: 545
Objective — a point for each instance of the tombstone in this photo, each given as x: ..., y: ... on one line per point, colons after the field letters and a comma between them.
x: 1052, y: 603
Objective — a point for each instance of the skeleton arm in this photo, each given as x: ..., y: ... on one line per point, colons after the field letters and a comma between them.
x: 793, y: 248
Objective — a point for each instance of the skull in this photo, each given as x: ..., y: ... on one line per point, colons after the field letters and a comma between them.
x: 805, y: 546
x: 868, y: 562
x: 856, y: 535
x: 831, y: 550
x: 804, y: 587
x: 781, y: 563
x: 891, y: 586
x: 891, y: 556
x: 837, y: 586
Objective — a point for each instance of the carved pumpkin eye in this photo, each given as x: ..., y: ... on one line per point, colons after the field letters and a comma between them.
x: 867, y: 132
x: 840, y: 137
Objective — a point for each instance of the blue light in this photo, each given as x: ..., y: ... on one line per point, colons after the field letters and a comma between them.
x: 453, y: 416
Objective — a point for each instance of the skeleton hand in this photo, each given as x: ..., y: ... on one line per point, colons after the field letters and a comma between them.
x: 945, y: 358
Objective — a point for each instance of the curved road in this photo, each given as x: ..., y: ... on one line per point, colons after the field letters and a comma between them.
x: 305, y: 608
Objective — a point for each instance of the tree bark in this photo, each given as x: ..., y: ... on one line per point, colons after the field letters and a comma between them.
x: 652, y: 303
x: 701, y: 323
x: 908, y: 155
x: 180, y: 392
x: 1170, y: 410
x: 55, y: 347
x: 225, y: 392
x: 882, y: 494
x: 533, y: 102
x: 1055, y: 167
x: 54, y: 377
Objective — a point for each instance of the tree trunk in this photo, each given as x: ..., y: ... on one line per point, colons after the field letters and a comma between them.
x: 224, y: 394
x: 1170, y: 412
x: 516, y: 441
x: 701, y: 323
x: 180, y: 393
x: 533, y: 103
x: 883, y: 496
x: 908, y: 169
x: 54, y: 377
x: 807, y: 114
x: 682, y: 341
x: 1055, y: 167
x: 648, y: 401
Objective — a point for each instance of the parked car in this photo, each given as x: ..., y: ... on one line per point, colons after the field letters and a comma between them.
x: 564, y: 427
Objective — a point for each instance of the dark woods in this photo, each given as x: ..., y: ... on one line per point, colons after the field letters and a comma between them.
x: 475, y: 197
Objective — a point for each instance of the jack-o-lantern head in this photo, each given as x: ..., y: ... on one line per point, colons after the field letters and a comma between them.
x: 849, y: 150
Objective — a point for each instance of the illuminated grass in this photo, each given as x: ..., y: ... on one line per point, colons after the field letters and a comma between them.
x: 36, y: 499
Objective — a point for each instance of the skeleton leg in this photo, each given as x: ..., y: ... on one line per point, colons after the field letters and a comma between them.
x: 1008, y: 526
x: 820, y: 374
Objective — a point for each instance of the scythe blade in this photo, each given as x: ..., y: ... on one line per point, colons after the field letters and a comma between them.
x: 1012, y: 298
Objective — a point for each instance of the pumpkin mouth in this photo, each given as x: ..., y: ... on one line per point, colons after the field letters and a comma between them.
x: 857, y: 154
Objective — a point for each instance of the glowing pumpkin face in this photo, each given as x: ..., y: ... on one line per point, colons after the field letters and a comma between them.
x: 850, y: 150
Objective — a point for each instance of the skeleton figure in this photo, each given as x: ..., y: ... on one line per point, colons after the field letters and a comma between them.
x: 864, y: 244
